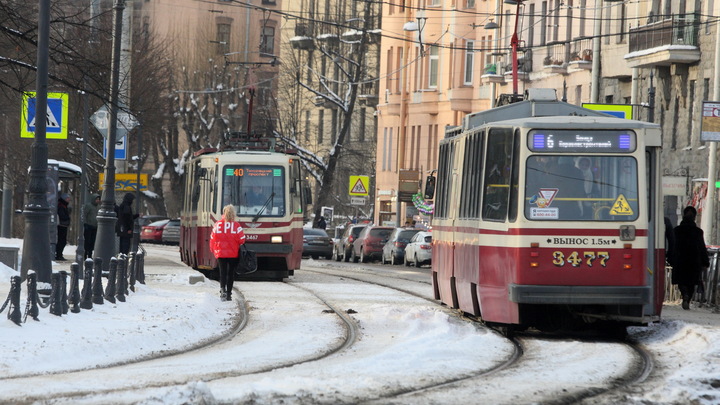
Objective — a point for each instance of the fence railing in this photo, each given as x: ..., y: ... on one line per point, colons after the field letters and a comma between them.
x: 707, y: 292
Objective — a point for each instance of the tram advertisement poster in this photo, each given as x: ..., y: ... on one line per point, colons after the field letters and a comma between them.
x: 710, y: 121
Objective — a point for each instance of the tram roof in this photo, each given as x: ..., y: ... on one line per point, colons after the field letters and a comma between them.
x: 539, y: 103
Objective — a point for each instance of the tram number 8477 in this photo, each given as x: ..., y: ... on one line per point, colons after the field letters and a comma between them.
x: 559, y: 258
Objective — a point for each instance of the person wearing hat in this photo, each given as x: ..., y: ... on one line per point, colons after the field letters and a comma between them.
x: 63, y: 213
x: 90, y: 211
x: 125, y: 220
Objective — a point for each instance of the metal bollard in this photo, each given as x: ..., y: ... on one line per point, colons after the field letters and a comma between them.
x: 86, y: 300
x: 122, y: 277
x: 110, y: 288
x: 63, y: 291
x: 97, y: 288
x: 14, y: 310
x: 56, y: 295
x: 131, y: 270
x: 140, y: 267
x: 33, y: 309
x: 126, y: 274
x: 74, y: 297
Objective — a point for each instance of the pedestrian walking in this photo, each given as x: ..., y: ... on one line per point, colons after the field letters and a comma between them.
x: 321, y: 224
x: 225, y: 240
x: 90, y: 211
x: 125, y: 221
x: 63, y: 213
x: 689, y: 257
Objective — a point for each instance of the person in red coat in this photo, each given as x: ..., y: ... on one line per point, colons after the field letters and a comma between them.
x: 225, y: 240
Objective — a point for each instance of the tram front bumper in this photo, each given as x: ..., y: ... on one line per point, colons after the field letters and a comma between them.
x: 265, y: 249
x: 579, y: 295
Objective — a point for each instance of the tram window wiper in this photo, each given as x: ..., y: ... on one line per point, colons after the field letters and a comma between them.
x: 257, y: 216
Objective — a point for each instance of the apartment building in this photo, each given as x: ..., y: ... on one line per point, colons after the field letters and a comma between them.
x: 442, y: 59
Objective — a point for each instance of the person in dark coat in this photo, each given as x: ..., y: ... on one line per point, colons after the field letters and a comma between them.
x: 321, y: 224
x: 90, y: 211
x: 689, y: 257
x: 63, y: 213
x: 669, y: 241
x: 125, y: 222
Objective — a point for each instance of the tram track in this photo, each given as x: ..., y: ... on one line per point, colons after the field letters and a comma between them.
x: 132, y: 371
x: 640, y: 369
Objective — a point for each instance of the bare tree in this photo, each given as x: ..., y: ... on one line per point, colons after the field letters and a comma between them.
x: 334, y: 76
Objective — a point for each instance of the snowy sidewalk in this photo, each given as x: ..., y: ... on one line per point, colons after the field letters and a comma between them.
x: 167, y: 314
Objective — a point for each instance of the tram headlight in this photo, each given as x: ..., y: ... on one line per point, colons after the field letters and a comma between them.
x: 276, y: 239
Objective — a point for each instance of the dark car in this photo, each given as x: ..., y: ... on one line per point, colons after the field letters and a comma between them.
x: 153, y: 232
x: 171, y: 232
x: 316, y: 243
x: 394, y: 249
x: 368, y: 245
x: 343, y: 249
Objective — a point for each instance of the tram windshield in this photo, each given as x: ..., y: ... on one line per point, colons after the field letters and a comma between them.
x: 581, y: 188
x: 254, y: 189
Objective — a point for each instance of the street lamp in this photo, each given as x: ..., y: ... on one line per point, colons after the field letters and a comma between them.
x: 105, y: 242
x: 36, y: 243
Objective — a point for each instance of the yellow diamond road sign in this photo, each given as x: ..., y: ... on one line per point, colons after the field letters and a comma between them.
x: 359, y: 185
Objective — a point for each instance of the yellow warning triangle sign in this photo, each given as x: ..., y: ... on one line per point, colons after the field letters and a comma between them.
x: 621, y: 207
x: 358, y: 188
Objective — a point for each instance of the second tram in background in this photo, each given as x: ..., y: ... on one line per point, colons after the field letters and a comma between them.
x: 265, y: 184
x: 549, y: 215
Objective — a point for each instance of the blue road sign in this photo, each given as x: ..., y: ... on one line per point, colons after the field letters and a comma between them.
x: 56, y: 117
x: 120, y: 149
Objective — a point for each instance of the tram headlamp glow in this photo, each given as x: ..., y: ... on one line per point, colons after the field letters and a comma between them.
x: 276, y: 239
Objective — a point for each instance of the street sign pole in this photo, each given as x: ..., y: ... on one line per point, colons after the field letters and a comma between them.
x: 105, y: 242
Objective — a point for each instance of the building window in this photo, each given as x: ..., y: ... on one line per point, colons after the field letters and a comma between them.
x: 433, y: 67
x: 469, y: 62
x: 267, y: 41
x: 470, y: 4
x: 222, y: 38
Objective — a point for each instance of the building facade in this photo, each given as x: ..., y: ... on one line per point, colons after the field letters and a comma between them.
x: 443, y: 59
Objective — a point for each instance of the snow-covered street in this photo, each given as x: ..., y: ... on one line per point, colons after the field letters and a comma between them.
x: 333, y: 333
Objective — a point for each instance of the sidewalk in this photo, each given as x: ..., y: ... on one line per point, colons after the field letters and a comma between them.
x: 167, y: 314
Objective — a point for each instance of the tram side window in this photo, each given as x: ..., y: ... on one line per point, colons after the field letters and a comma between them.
x: 498, y: 173
x: 471, y: 182
x: 442, y: 197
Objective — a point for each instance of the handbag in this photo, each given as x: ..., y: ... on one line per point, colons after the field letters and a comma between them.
x: 247, y: 261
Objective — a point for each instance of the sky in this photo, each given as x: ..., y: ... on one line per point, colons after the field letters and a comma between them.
x: 401, y: 343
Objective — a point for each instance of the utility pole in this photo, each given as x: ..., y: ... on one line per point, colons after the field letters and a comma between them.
x: 708, y: 214
x: 36, y: 244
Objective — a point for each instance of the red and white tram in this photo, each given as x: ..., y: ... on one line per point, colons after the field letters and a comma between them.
x: 265, y: 184
x: 549, y: 215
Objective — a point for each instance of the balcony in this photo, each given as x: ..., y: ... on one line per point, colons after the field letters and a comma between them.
x: 662, y: 43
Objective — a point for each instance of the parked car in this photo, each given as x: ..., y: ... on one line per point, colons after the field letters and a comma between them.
x: 153, y: 232
x: 171, y: 232
x: 368, y: 245
x: 343, y: 248
x: 316, y: 243
x: 394, y: 249
x: 419, y: 250
x: 149, y: 219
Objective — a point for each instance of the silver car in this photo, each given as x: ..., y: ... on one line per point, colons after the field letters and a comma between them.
x: 171, y: 232
x: 419, y: 250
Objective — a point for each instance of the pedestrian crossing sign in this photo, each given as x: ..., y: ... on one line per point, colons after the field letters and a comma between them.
x: 359, y: 185
x: 56, y: 117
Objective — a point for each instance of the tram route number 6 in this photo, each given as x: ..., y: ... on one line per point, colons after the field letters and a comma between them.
x: 559, y: 258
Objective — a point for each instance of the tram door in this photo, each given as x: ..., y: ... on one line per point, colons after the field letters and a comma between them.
x: 655, y: 255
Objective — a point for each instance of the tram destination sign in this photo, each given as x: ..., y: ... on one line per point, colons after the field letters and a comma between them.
x: 557, y: 140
